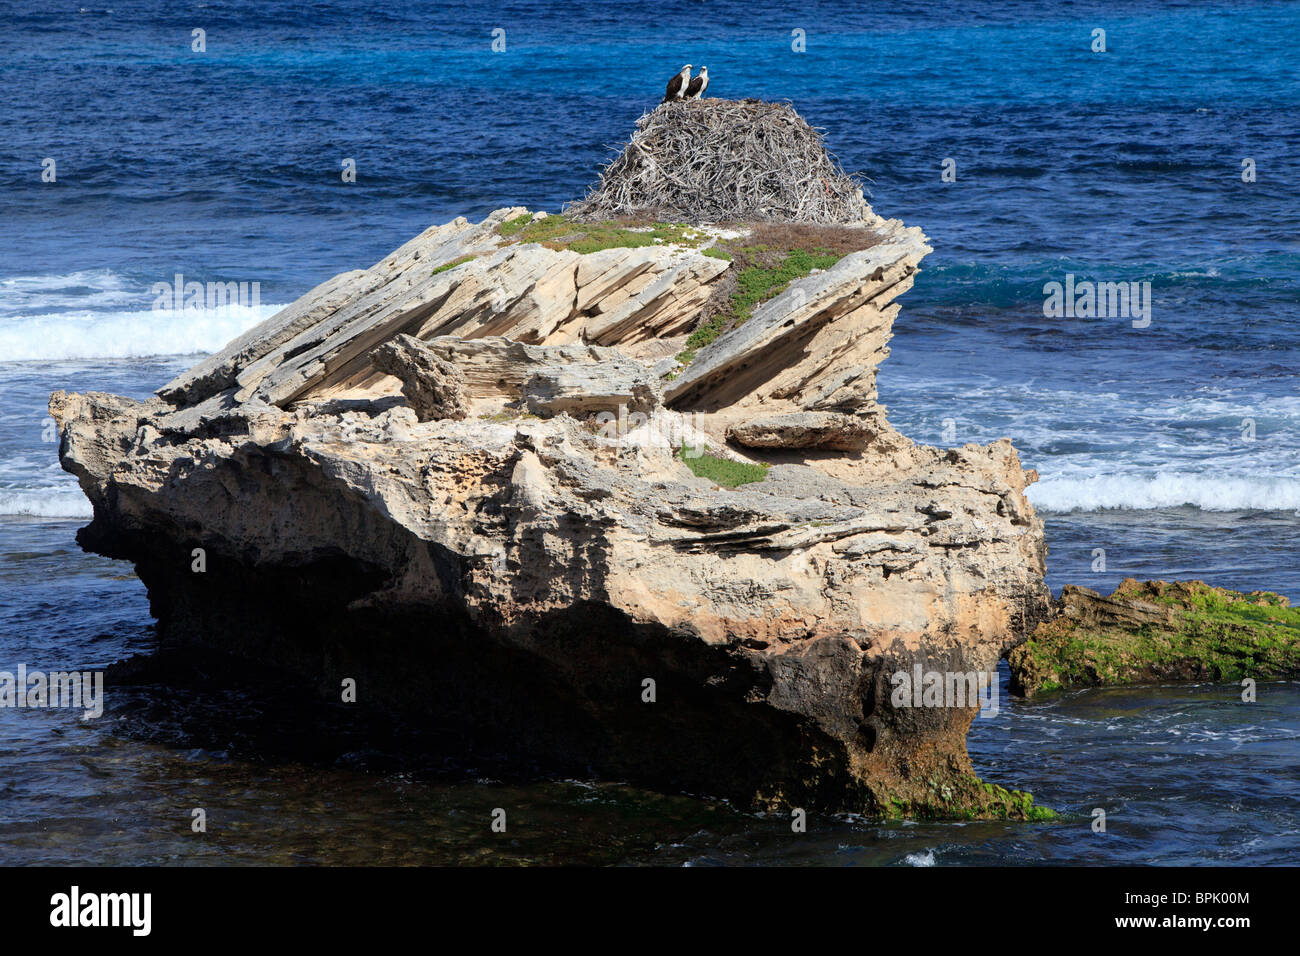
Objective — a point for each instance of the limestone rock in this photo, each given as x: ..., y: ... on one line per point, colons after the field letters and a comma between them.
x: 803, y: 430
x: 433, y: 387
x: 814, y: 347
x: 596, y: 387
x: 515, y: 570
x: 320, y: 345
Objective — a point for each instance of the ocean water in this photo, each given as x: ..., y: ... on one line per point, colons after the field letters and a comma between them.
x: 1169, y: 450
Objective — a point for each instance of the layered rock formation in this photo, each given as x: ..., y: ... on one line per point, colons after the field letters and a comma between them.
x: 462, y: 478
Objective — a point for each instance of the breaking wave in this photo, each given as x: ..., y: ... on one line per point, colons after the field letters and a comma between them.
x: 135, y: 334
x: 46, y: 503
x: 1172, y: 490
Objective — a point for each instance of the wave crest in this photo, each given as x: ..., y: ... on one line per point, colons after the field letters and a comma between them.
x: 149, y: 332
x: 1165, y: 490
x: 46, y: 503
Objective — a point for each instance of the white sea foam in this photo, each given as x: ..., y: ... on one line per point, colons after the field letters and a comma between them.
x: 85, y: 289
x: 1166, y: 490
x: 134, y: 334
x: 46, y: 503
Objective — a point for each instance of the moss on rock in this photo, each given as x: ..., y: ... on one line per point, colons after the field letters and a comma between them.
x: 969, y: 798
x: 1159, y: 631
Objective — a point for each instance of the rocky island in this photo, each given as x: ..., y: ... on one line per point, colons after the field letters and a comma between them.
x: 610, y: 493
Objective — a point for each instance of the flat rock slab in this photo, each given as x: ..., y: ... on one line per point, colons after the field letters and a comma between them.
x: 585, y: 389
x: 803, y: 430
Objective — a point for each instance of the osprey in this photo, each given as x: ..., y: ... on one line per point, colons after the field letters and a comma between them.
x: 698, y: 85
x: 677, y: 85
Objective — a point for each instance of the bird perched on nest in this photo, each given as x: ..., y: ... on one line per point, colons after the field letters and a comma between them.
x: 677, y: 85
x: 698, y: 85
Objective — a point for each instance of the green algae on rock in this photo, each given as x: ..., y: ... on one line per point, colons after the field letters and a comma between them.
x: 1159, y: 631
x: 969, y: 798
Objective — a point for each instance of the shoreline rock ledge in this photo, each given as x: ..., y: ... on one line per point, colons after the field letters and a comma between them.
x: 494, y: 481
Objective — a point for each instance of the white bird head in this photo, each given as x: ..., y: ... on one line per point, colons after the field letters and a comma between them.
x: 704, y: 71
x: 686, y: 68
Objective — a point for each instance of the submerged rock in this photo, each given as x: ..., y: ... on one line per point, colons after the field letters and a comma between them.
x: 520, y: 553
x: 1154, y: 631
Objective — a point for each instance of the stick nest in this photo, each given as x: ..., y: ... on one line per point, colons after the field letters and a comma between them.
x: 723, y: 161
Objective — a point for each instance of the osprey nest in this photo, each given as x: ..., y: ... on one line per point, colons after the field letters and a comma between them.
x: 721, y: 161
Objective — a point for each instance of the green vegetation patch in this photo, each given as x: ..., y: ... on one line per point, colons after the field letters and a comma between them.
x: 963, y: 797
x: 1212, y: 634
x: 763, y: 264
x: 754, y: 284
x: 702, y: 336
x: 559, y: 232
x: 451, y: 265
x: 516, y: 225
x: 723, y: 471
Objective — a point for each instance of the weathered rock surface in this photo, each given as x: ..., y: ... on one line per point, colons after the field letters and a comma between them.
x: 1155, y: 631
x: 803, y: 430
x: 434, y: 388
x: 814, y: 347
x: 519, y: 573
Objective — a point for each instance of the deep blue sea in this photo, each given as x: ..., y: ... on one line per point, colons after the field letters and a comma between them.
x: 1173, y: 448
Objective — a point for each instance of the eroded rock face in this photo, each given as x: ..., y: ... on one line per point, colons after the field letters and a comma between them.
x: 433, y: 387
x: 521, y: 572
